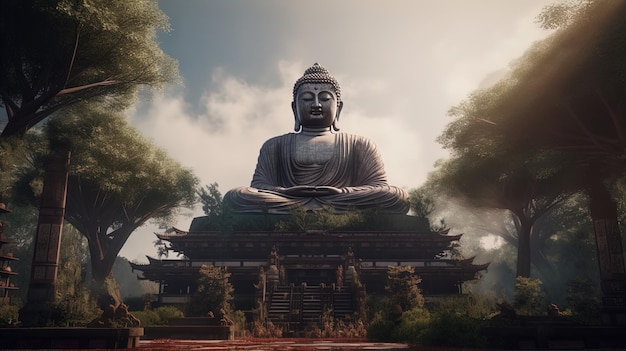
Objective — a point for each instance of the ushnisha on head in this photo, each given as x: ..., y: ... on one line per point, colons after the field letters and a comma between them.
x: 312, y: 94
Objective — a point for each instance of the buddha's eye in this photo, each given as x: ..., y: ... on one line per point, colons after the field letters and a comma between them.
x: 307, y: 97
x: 326, y: 96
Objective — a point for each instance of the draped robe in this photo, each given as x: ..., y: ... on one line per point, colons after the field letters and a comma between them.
x: 355, y: 167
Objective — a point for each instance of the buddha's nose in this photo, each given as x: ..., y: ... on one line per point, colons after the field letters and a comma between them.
x: 317, y: 102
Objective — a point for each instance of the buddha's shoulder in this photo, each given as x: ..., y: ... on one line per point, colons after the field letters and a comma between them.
x: 356, y: 139
x: 279, y: 140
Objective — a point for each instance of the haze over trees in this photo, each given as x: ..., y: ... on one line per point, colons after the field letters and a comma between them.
x: 553, y: 127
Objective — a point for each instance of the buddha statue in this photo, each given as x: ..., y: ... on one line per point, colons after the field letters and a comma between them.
x: 317, y: 165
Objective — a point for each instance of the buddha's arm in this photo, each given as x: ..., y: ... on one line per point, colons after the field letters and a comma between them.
x: 312, y: 191
x: 267, y: 170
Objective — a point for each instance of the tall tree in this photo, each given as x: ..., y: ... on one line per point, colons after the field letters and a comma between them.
x: 484, y: 176
x: 565, y: 95
x: 55, y: 53
x: 118, y: 181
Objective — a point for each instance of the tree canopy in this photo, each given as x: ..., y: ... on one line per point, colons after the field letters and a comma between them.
x: 563, y: 97
x: 56, y: 53
x: 118, y: 181
x: 553, y: 126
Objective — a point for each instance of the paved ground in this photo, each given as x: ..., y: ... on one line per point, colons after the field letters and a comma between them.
x: 270, y: 345
x: 278, y: 345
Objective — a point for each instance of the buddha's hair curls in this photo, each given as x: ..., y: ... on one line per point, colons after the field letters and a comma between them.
x: 317, y: 74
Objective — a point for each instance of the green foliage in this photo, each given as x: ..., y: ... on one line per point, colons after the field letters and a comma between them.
x: 265, y: 330
x: 381, y: 330
x: 474, y: 306
x: 412, y: 326
x: 211, y: 200
x: 450, y: 322
x: 512, y: 143
x: 323, y: 219
x: 12, y: 157
x: 529, y: 297
x: 331, y: 327
x: 148, y: 318
x: 214, y: 292
x: 118, y: 181
x: 239, y: 324
x: 58, y: 53
x: 583, y: 299
x: 158, y: 316
x: 44, y: 315
x: 421, y: 202
x: 402, y: 284
x: 166, y: 313
x: 9, y: 315
x: 447, y: 329
x: 218, y: 212
x: 72, y: 295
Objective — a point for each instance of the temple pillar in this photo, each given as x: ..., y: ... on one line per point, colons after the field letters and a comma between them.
x: 610, y: 255
x: 43, y: 278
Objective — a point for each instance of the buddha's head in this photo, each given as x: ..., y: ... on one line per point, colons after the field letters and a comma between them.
x: 316, y: 99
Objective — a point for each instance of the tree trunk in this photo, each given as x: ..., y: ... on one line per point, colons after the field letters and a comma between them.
x: 523, y: 247
x: 103, y: 257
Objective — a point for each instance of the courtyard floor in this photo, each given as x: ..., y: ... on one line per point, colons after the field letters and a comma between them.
x: 280, y: 345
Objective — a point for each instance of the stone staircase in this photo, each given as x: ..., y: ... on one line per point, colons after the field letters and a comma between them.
x: 342, y: 303
x: 293, y: 307
x: 281, y: 305
x: 312, y: 306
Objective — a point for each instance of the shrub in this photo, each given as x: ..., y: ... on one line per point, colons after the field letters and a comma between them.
x: 9, y: 315
x: 530, y: 299
x: 165, y: 313
x: 381, y: 330
x: 147, y: 318
x: 447, y: 329
x: 412, y: 326
x: 158, y: 316
x: 269, y: 330
x: 214, y: 293
x: 474, y: 306
x: 584, y: 300
x: 402, y: 284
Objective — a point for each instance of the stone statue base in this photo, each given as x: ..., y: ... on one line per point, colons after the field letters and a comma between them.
x: 366, y: 220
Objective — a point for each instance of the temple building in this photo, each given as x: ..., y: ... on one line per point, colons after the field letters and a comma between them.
x: 332, y: 259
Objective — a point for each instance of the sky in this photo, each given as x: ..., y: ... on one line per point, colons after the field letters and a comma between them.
x: 401, y: 64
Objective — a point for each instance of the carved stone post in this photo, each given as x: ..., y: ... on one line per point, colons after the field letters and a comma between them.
x: 43, y: 278
x: 612, y: 273
x: 610, y: 255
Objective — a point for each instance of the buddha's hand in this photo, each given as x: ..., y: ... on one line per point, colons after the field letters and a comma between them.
x: 311, y: 191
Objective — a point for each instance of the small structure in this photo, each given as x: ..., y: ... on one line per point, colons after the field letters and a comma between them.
x: 7, y: 286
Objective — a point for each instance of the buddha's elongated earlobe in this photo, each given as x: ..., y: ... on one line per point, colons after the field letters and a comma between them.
x: 335, y: 126
x: 297, y: 126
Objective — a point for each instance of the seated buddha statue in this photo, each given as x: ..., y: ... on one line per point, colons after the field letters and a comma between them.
x: 317, y: 165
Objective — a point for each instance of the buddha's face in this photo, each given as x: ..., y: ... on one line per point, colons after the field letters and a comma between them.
x: 316, y: 105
